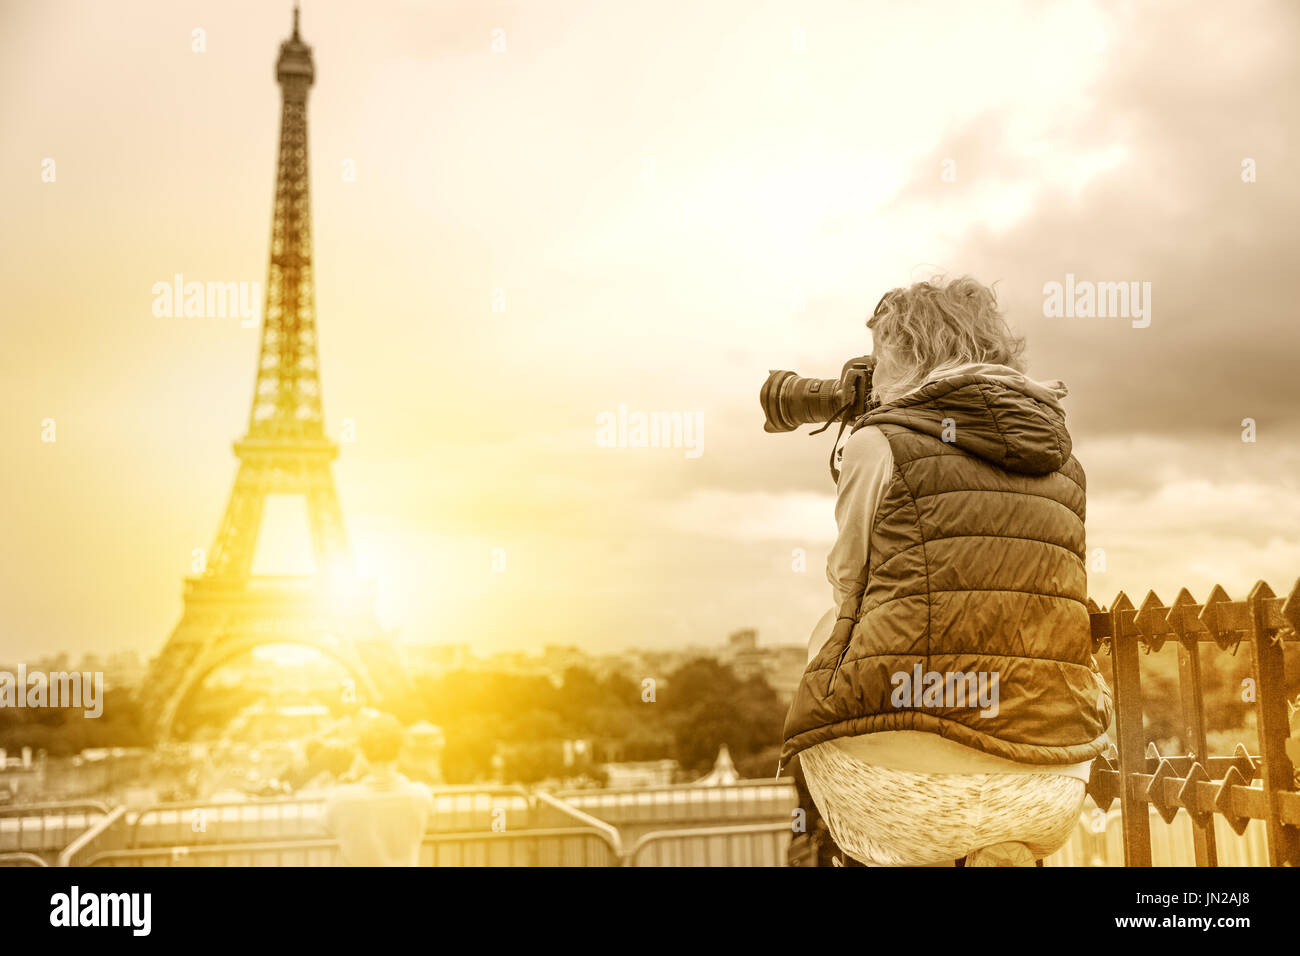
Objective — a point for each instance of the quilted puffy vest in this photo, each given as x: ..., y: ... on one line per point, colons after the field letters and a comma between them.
x: 973, y: 624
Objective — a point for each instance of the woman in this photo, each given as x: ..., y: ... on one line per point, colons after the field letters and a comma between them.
x: 951, y: 706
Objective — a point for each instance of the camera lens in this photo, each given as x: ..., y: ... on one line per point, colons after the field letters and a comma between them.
x: 790, y: 401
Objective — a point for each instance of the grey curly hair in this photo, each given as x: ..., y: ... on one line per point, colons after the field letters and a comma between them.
x: 935, y: 325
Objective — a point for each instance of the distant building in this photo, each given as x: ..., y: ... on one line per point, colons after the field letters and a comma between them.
x: 724, y: 772
x: 22, y: 776
x: 644, y: 773
x: 94, y: 771
x: 781, y: 666
x: 265, y: 720
x: 742, y: 641
x: 438, y: 659
x: 557, y: 659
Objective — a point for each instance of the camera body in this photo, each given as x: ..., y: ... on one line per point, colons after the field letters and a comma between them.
x: 789, y: 400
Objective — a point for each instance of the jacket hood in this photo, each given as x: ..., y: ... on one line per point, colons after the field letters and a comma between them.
x: 989, y: 411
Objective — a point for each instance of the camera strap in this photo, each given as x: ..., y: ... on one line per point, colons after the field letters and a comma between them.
x: 835, y: 472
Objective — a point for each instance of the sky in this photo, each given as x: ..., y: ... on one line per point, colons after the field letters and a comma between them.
x: 558, y: 208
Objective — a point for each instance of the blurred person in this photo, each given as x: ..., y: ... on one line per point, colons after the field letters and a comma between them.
x: 380, y: 820
x: 951, y: 707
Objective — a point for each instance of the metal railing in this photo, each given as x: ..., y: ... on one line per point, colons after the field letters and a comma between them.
x: 21, y: 859
x: 108, y: 833
x: 559, y: 847
x: 745, y: 845
x: 1207, y: 787
x: 1095, y: 842
x: 748, y: 801
x: 46, y: 827
x: 567, y: 813
x: 758, y: 844
x: 277, y: 819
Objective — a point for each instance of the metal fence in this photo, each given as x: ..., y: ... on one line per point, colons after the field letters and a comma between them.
x: 1097, y: 841
x: 553, y: 811
x: 761, y: 844
x: 471, y: 826
x: 46, y: 827
x: 1233, y: 789
x: 686, y: 805
x: 563, y: 847
x: 107, y: 833
x: 456, y: 810
x: 744, y: 845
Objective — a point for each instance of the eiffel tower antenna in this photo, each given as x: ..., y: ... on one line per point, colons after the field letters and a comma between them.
x: 229, y: 610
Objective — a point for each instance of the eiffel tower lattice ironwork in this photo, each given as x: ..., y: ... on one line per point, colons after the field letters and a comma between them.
x: 229, y: 609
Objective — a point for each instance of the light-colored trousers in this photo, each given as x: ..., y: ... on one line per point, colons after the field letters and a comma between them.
x: 884, y: 817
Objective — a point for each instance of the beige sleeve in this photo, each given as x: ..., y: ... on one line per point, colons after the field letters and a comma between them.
x: 865, y: 471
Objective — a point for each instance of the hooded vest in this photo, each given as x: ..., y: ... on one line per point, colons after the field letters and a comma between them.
x: 974, y: 623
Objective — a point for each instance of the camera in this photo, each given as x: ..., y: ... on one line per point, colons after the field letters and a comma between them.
x: 789, y: 400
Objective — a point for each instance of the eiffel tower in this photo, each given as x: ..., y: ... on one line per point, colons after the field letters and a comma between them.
x: 229, y: 609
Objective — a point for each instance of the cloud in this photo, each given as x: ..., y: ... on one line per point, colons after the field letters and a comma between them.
x: 755, y: 516
x: 1139, y: 179
x: 1172, y: 513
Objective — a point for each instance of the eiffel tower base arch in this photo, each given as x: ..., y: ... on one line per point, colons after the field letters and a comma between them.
x: 219, y: 625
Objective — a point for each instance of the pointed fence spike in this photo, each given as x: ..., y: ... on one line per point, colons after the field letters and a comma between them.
x: 1152, y: 621
x: 1291, y: 609
x: 1210, y: 619
x: 1184, y: 616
